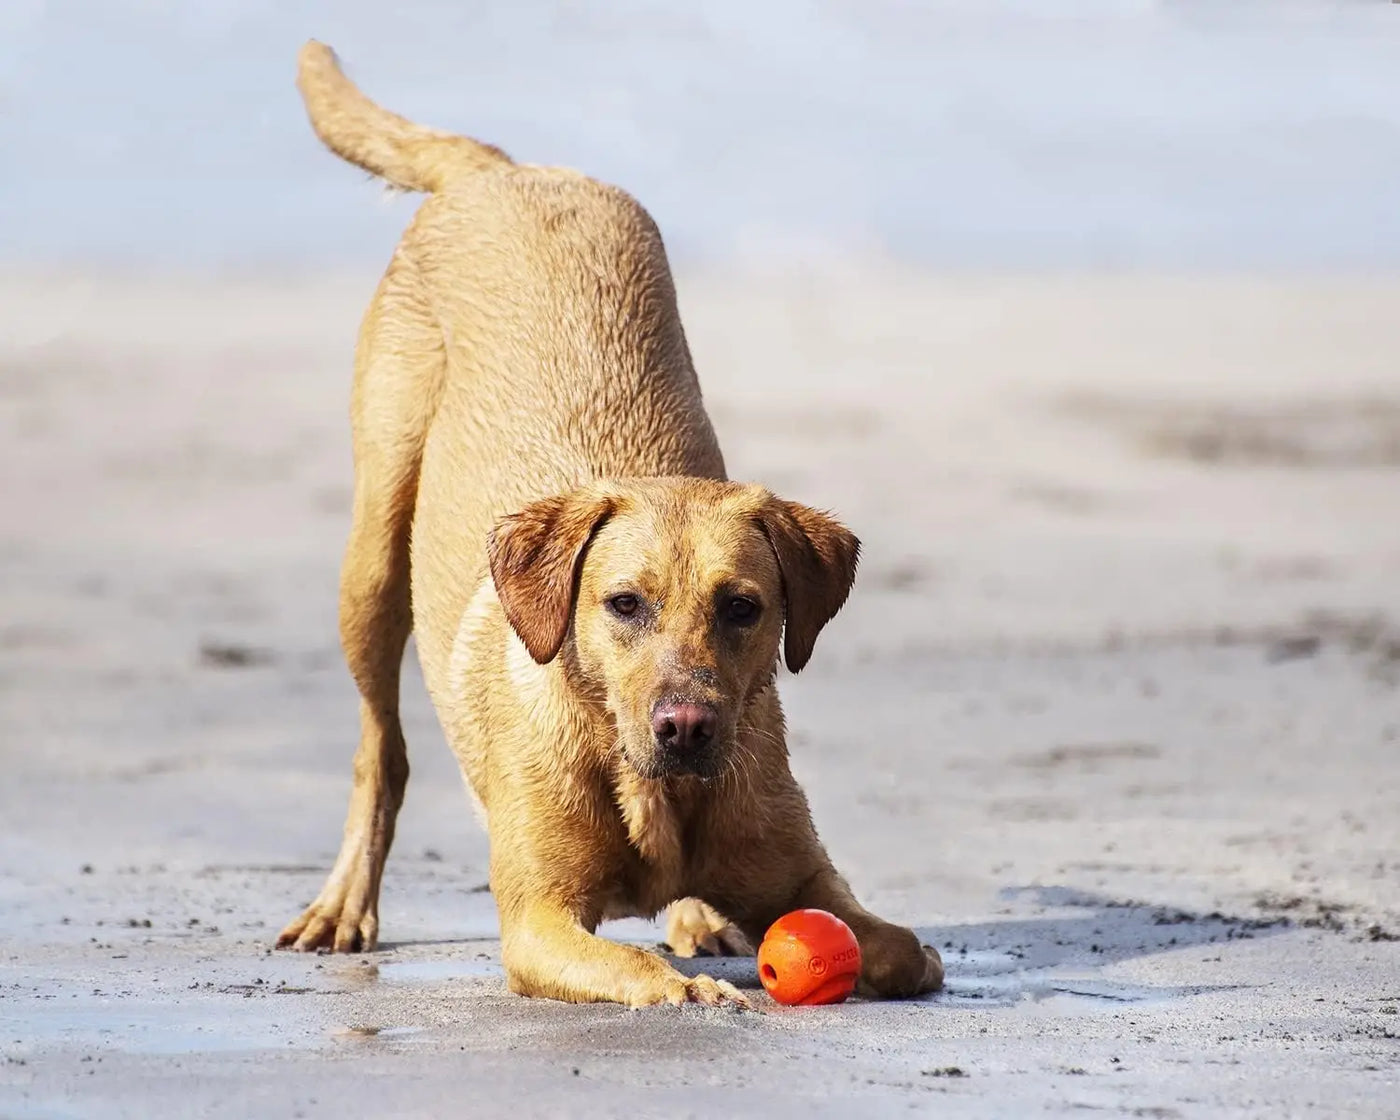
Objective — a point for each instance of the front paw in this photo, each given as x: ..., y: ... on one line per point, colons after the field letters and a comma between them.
x: 704, y: 990
x: 895, y: 966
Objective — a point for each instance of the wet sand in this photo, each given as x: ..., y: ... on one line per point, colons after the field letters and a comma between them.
x: 1113, y: 715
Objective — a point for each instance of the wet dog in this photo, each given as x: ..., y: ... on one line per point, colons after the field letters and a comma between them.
x: 599, y: 612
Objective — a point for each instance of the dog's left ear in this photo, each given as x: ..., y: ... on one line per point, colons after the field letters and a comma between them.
x: 535, y: 559
x: 817, y: 556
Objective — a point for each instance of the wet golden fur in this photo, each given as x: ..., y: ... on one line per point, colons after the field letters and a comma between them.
x: 530, y: 443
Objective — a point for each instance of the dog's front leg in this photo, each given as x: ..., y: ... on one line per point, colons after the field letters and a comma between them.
x: 548, y: 952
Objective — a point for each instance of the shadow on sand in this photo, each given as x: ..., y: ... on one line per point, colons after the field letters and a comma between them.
x: 1002, y: 963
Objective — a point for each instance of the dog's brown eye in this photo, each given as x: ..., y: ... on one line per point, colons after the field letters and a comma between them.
x: 741, y: 611
x: 624, y: 606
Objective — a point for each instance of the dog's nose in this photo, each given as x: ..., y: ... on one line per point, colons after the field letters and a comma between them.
x: 683, y: 727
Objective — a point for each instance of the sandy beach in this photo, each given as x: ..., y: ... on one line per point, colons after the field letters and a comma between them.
x: 1113, y: 715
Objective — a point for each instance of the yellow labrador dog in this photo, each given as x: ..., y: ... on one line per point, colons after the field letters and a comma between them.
x: 539, y: 494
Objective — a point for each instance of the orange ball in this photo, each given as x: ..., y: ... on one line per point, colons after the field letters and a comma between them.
x: 809, y: 957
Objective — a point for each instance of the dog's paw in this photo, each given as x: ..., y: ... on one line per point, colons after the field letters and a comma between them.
x: 695, y: 928
x: 704, y: 990
x: 895, y: 966
x: 714, y: 993
x: 343, y: 919
x: 933, y: 971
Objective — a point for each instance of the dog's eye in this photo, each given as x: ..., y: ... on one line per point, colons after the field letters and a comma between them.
x: 741, y: 611
x: 624, y: 606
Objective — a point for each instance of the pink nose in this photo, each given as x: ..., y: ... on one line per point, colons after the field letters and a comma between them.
x: 683, y: 727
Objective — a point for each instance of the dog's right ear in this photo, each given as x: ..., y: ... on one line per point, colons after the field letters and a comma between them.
x: 535, y: 559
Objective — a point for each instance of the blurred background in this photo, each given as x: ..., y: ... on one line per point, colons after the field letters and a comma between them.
x: 1082, y: 314
x: 966, y: 133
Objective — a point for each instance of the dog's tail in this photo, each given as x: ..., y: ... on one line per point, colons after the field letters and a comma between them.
x: 405, y: 154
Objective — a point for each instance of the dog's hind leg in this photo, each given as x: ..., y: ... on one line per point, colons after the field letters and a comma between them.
x: 399, y: 369
x: 695, y: 928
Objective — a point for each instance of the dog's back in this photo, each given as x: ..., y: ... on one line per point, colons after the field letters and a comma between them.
x: 545, y: 301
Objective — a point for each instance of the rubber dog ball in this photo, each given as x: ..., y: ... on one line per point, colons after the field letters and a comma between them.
x: 809, y: 957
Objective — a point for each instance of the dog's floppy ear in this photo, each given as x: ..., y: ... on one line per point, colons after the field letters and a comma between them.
x: 817, y: 556
x: 535, y: 557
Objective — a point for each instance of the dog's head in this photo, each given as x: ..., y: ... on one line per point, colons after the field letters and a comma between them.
x: 675, y: 595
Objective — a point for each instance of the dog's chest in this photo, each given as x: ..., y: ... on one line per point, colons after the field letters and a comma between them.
x: 652, y: 825
x: 656, y: 833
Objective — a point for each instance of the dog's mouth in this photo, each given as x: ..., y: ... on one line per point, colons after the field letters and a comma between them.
x: 652, y: 764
